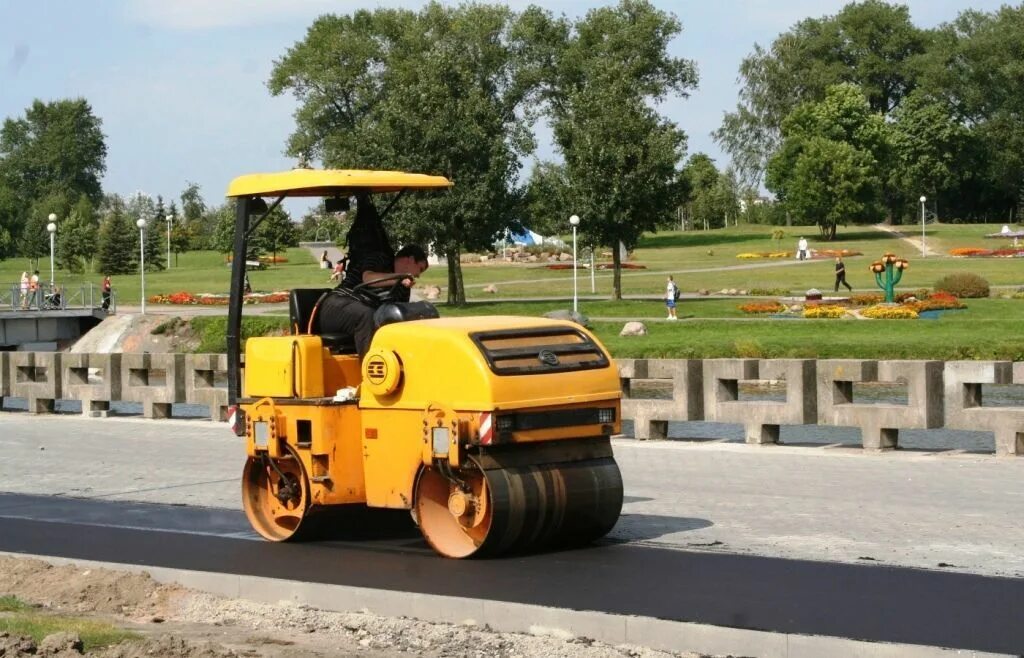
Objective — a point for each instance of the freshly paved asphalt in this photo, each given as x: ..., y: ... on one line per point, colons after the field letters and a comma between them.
x: 873, y: 603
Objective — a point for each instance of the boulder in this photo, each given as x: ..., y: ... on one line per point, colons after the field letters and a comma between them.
x: 531, y: 259
x: 634, y: 329
x: 432, y: 293
x: 61, y: 644
x: 484, y: 259
x: 732, y: 291
x: 564, y: 256
x: 578, y: 318
x: 491, y: 288
x: 703, y: 292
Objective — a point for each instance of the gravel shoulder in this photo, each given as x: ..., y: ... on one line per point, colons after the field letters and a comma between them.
x: 177, y: 622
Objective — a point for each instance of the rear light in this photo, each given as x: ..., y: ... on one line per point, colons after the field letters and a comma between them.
x: 605, y: 416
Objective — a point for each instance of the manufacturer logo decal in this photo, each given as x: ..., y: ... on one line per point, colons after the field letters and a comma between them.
x: 547, y: 357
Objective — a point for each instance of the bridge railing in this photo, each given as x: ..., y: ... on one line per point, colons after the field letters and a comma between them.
x: 53, y: 297
x: 809, y: 392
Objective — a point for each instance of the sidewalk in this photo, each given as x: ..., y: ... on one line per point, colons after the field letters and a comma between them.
x: 959, y: 513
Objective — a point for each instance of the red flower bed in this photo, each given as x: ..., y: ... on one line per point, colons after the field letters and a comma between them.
x: 762, y: 307
x: 188, y: 299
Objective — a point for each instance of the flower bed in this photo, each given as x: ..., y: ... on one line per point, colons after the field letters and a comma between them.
x: 824, y: 311
x: 188, y: 299
x: 749, y: 255
x: 937, y: 301
x: 978, y: 252
x: 866, y: 299
x: 885, y: 312
x: 832, y: 253
x: 762, y: 307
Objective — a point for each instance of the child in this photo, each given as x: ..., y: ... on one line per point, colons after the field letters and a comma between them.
x: 671, y: 295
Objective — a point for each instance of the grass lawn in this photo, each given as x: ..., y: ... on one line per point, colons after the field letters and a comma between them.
x: 698, y: 259
x: 19, y: 618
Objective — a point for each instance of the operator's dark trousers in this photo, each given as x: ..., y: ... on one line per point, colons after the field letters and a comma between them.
x: 841, y: 278
x: 344, y: 315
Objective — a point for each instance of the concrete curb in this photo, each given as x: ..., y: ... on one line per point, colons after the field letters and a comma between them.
x: 529, y: 619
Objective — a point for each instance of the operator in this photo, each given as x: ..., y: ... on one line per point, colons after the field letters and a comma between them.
x: 350, y: 311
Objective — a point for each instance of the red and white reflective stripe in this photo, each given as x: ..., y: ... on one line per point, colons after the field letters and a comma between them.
x: 486, y: 429
x: 233, y: 418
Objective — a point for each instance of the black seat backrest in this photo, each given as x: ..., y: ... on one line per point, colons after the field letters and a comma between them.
x: 300, y: 307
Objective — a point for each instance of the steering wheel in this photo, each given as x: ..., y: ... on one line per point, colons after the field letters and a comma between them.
x: 397, y: 278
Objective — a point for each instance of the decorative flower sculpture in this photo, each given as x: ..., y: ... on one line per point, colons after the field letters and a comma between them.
x: 889, y: 263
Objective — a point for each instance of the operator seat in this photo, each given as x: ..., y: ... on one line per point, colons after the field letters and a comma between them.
x: 301, y: 303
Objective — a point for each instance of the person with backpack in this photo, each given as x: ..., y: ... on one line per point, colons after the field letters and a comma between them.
x: 671, y: 297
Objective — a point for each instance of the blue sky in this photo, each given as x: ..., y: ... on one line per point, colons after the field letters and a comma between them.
x: 181, y: 84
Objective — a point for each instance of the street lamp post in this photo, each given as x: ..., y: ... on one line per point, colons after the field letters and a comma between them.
x: 575, y: 221
x: 52, y: 228
x: 169, y: 218
x: 142, y: 260
x: 593, y: 287
x: 923, y: 248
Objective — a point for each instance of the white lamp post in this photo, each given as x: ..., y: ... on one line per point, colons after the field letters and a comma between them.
x: 575, y: 221
x: 142, y: 260
x: 52, y: 228
x: 923, y: 248
x: 169, y: 218
x: 593, y: 287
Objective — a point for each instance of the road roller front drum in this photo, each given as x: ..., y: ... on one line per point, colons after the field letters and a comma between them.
x: 275, y: 495
x: 476, y: 512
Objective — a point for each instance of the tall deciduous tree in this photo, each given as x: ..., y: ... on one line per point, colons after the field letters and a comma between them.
x: 434, y: 91
x: 599, y: 78
x: 277, y: 232
x: 827, y: 170
x: 56, y: 149
x: 871, y: 44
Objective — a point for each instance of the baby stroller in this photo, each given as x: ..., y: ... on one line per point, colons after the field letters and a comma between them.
x: 52, y: 301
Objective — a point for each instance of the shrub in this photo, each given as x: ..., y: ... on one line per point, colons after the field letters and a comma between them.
x: 762, y: 307
x: 884, y: 312
x: 769, y: 292
x: 824, y: 311
x: 964, y: 284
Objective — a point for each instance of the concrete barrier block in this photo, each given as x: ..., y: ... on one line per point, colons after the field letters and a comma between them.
x: 880, y: 423
x: 155, y: 380
x: 201, y: 374
x: 95, y: 379
x: 651, y: 416
x: 5, y: 376
x: 761, y: 419
x: 964, y: 405
x: 36, y: 376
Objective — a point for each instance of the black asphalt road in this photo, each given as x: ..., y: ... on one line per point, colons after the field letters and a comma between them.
x: 874, y: 603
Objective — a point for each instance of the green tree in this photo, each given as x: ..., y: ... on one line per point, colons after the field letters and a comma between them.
x: 975, y: 64
x: 702, y: 178
x: 842, y: 126
x: 35, y: 241
x: 277, y: 232
x: 118, y: 241
x: 599, y: 79
x: 56, y: 150
x: 76, y: 237
x: 435, y: 91
x: 870, y: 44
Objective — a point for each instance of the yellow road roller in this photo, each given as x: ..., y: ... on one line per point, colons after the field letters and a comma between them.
x: 493, y: 431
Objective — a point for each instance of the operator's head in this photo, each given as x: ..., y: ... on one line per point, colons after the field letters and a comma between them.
x: 411, y: 259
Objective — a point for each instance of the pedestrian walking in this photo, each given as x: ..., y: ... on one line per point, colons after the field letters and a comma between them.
x: 841, y: 274
x: 24, y: 290
x: 33, y: 289
x: 107, y: 288
x: 671, y: 297
x: 802, y: 253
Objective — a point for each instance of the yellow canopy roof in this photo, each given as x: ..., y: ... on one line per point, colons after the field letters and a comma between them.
x: 329, y: 182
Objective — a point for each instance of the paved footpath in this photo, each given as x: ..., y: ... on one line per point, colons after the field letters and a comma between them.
x: 950, y: 512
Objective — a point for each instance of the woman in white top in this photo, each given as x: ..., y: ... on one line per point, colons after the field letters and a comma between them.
x: 24, y: 289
